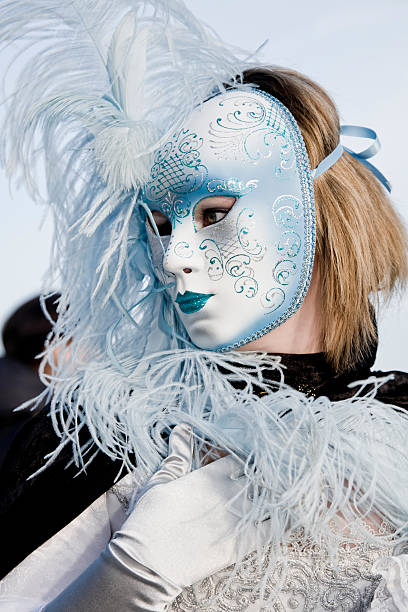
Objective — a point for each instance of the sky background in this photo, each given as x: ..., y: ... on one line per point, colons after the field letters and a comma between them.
x: 356, y: 49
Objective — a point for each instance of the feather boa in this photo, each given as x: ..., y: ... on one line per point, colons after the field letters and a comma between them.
x: 314, y: 467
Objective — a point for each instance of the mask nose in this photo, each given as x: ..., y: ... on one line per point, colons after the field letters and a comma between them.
x: 181, y: 257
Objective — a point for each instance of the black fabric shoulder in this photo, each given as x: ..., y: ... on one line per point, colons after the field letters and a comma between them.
x: 31, y: 511
x: 394, y: 391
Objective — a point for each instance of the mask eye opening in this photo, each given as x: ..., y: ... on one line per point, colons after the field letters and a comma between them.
x: 158, y: 223
x: 151, y: 225
x: 206, y: 210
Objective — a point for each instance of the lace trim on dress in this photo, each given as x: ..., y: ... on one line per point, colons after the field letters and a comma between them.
x: 312, y: 582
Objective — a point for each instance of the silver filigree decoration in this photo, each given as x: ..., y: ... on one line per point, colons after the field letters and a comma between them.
x: 213, y: 255
x: 232, y: 185
x: 246, y: 285
x: 289, y: 244
x: 286, y: 211
x: 283, y: 270
x: 177, y: 166
x: 175, y: 207
x: 259, y: 143
x: 247, y: 113
x: 245, y: 229
x: 183, y: 250
x: 287, y: 155
x: 273, y: 298
x: 248, y: 131
x: 238, y: 265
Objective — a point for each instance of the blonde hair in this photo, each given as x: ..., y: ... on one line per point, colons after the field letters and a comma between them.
x: 361, y: 245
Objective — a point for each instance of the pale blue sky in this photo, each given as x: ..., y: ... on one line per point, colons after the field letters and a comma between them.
x: 356, y: 49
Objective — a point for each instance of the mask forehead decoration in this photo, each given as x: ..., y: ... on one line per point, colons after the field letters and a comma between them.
x: 240, y: 276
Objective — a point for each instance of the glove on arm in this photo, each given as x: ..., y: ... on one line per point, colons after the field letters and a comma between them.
x: 181, y: 530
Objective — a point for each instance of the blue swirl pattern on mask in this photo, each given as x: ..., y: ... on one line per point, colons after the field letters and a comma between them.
x: 184, y: 250
x: 248, y: 241
x: 287, y: 209
x: 215, y: 260
x: 290, y: 244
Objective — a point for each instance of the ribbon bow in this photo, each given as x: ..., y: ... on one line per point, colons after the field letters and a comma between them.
x: 357, y: 131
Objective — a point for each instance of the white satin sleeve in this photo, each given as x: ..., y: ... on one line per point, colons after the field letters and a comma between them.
x: 47, y: 571
x: 391, y: 594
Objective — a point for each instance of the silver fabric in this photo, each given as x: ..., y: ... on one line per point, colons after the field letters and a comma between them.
x: 108, y: 586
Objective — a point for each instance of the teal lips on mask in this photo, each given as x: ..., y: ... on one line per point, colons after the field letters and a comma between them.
x: 191, y: 302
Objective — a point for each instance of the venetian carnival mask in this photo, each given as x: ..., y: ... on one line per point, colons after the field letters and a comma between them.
x: 233, y: 191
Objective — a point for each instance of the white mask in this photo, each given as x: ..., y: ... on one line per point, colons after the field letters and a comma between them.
x: 242, y: 273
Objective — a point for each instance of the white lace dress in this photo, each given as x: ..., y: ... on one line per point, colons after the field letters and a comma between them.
x: 366, y: 578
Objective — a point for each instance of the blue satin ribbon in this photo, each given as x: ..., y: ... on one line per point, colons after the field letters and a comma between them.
x: 328, y: 161
x: 356, y: 131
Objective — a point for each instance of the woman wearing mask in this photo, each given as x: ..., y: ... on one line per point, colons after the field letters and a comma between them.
x: 221, y: 255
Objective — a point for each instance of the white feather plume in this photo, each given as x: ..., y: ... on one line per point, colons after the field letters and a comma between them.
x: 122, y: 72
